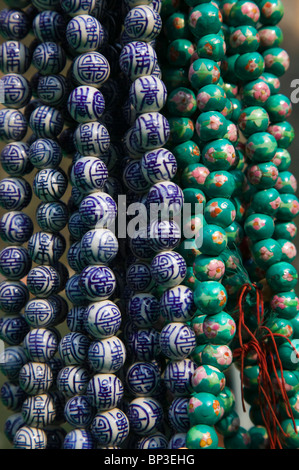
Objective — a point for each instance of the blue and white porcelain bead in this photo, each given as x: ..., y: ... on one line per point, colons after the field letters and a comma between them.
x: 43, y: 281
x: 46, y: 247
x: 76, y: 226
x: 13, y: 125
x: 147, y: 94
x: 16, y: 91
x: 144, y: 344
x: 14, y: 23
x: 154, y: 441
x: 79, y: 439
x: 158, y: 165
x: 168, y: 196
x: 78, y: 412
x: 12, y: 360
x: 15, y: 159
x: 14, y: 57
x: 46, y: 122
x: 13, y: 329
x: 145, y: 415
x: 91, y: 69
x: 41, y: 344
x: 110, y: 428
x: 12, y: 396
x: 139, y: 277
x: 177, y: 341
x: 49, y: 26
x: 143, y: 379
x: 102, y: 319
x: 41, y: 312
x: 168, y: 268
x: 75, y: 319
x: 73, y: 348
x: 84, y: 33
x: 107, y: 356
x: 13, y: 296
x: 52, y: 90
x: 178, y: 414
x: 99, y: 246
x: 98, y: 210
x: 134, y: 179
x: 177, y: 304
x: 15, y: 262
x: 15, y: 193
x: 77, y: 7
x: 50, y: 184
x: 75, y: 257
x: 86, y: 103
x: 97, y: 282
x: 36, y: 378
x: 164, y: 235
x: 38, y: 411
x: 89, y: 174
x: 177, y: 441
x: 177, y: 377
x: 73, y: 291
x: 45, y: 153
x: 105, y: 391
x: 52, y: 216
x: 73, y: 380
x: 16, y: 227
x: 137, y: 59
x: 143, y: 23
x: 30, y: 438
x: 49, y: 58
x: 91, y: 139
x: 150, y: 131
x: 143, y: 310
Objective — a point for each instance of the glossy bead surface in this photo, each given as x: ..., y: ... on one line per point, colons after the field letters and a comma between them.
x: 145, y: 415
x: 110, y: 428
x: 90, y: 69
x: 105, y: 391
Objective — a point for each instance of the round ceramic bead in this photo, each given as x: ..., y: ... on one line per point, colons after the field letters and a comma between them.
x: 219, y: 184
x: 13, y: 296
x: 12, y: 396
x: 211, y: 98
x: 139, y: 277
x: 78, y: 438
x: 241, y: 440
x: 110, y: 428
x: 270, y: 36
x: 289, y: 251
x: 14, y: 57
x: 285, y: 304
x: 15, y: 227
x: 144, y: 344
x: 213, y: 240
x: 229, y: 425
x: 30, y: 438
x: 277, y: 61
x: 43, y: 281
x: 99, y: 246
x: 283, y: 133
x: 52, y: 216
x: 194, y: 176
x: 259, y: 227
x: 220, y: 211
x: 15, y: 159
x: 38, y: 411
x: 255, y: 93
x: 12, y: 424
x: 75, y: 319
x: 46, y: 248
x: 77, y: 7
x: 52, y: 90
x: 78, y: 412
x: 49, y: 58
x: 219, y: 155
x: 105, y: 391
x: 289, y: 207
x: 90, y: 69
x: 181, y: 129
x: 253, y: 119
x: 207, y: 268
x: 177, y: 377
x: 176, y: 26
x: 202, y: 436
x: 16, y: 91
x: 263, y: 175
x: 89, y: 174
x: 15, y: 193
x: 279, y: 108
x: 46, y: 122
x: 107, y: 356
x: 211, y: 126
x: 204, y: 408
x: 14, y: 23
x: 204, y: 19
x: 91, y: 139
x: 203, y: 72
x: 84, y: 33
x: 286, y: 183
x: 181, y: 102
x: 15, y: 262
x: 73, y: 348
x: 168, y: 268
x: 12, y: 360
x: 133, y: 177
x: 150, y: 131
x: 177, y: 341
x: 142, y: 379
x: 158, y: 165
x: 137, y: 59
x: 176, y: 304
x: 186, y: 153
x: 50, y: 184
x: 143, y: 310
x: 147, y: 94
x: 290, y: 378
x: 49, y: 26
x: 179, y: 52
x: 219, y: 356
x: 85, y: 104
x: 272, y: 81
x: 41, y: 344
x: 97, y: 282
x: 291, y: 431
x: 271, y: 13
x: 98, y: 210
x: 249, y: 66
x: 13, y: 329
x: 219, y: 328
x: 244, y: 39
x: 210, y: 297
x: 261, y: 147
x: 41, y: 312
x: 102, y: 319
x: 143, y: 23
x: 282, y: 277
x: 145, y: 415
x: 178, y: 414
x: 13, y: 125
x: 266, y: 202
x: 164, y: 235
x: 168, y: 196
x: 76, y: 226
x: 211, y: 46
x: 73, y: 291
x: 208, y: 379
x: 45, y: 153
x: 288, y: 353
x: 72, y: 380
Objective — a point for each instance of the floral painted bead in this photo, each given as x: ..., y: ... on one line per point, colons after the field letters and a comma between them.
x: 266, y: 202
x: 253, y: 119
x: 280, y: 326
x: 202, y: 436
x: 244, y: 13
x: 271, y: 12
x: 210, y: 297
x: 282, y: 277
x: 211, y: 98
x: 277, y: 61
x: 255, y: 93
x: 204, y: 19
x: 211, y: 46
x: 244, y: 39
x: 283, y: 132
x: 194, y: 196
x: 259, y: 227
x: 211, y: 125
x: 219, y: 328
x: 261, y: 147
x: 179, y: 52
x: 181, y: 102
x: 219, y: 356
x: 181, y: 129
x: 220, y: 211
x: 272, y: 81
x: 267, y: 252
x: 176, y: 26
x: 194, y: 176
x: 289, y: 207
x: 285, y: 304
x: 229, y: 424
x: 286, y: 183
x: 241, y: 440
x: 249, y: 66
x: 203, y: 72
x: 204, y: 408
x: 289, y: 251
x: 208, y: 379
x: 190, y: 280
x: 227, y: 398
x: 207, y: 268
x: 282, y: 159
x: 197, y: 326
x: 285, y: 230
x: 186, y: 153
x: 219, y: 184
x: 212, y: 241
x: 259, y: 438
x: 279, y: 108
x: 270, y: 36
x: 291, y: 439
x: 263, y: 175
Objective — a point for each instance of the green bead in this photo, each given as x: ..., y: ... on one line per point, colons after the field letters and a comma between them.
x: 228, y: 69
x: 210, y: 126
x: 240, y: 209
x: 179, y: 52
x: 194, y: 196
x: 174, y: 77
x: 285, y: 304
x: 210, y: 297
x: 288, y: 249
x: 266, y: 253
x: 212, y: 241
x: 270, y: 36
x: 219, y: 328
x: 253, y: 119
x: 244, y: 39
x: 220, y: 211
x: 203, y: 72
x: 190, y: 279
x: 197, y: 326
x: 232, y: 260
x: 227, y: 399
x: 282, y: 277
x: 181, y: 129
x: 286, y: 183
x: 219, y: 184
x: 230, y: 89
x: 194, y: 176
x: 249, y: 66
x: 259, y: 438
x: 211, y: 98
x: 229, y: 425
x: 282, y: 159
x: 251, y: 375
x: 279, y: 108
x: 259, y: 226
x: 289, y: 207
x: 188, y: 250
x: 204, y: 408
x: 263, y: 175
x: 272, y: 82
x: 181, y: 102
x: 243, y: 13
x: 285, y: 230
x: 271, y: 12
x: 186, y: 153
x: 237, y: 108
x: 208, y: 379
x: 280, y: 326
x: 211, y: 46
x: 277, y: 61
x: 176, y: 26
x: 201, y: 437
x: 219, y: 154
x: 291, y: 379
x: 256, y: 416
x: 261, y: 147
x: 241, y: 440
x: 266, y: 201
x: 169, y: 7
x: 196, y: 354
x: 219, y: 356
x: 289, y: 355
x: 207, y: 268
x: 255, y: 93
x: 240, y: 181
x: 204, y: 19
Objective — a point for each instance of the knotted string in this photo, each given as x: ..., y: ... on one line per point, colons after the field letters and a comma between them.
x: 263, y: 343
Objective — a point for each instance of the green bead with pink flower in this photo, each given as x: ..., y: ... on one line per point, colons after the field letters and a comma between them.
x: 208, y: 379
x: 280, y: 327
x: 204, y: 19
x: 202, y: 436
x: 255, y: 93
x: 194, y: 196
x: 277, y: 61
x: 282, y: 277
x: 203, y: 72
x: 240, y: 440
x: 286, y: 230
x: 181, y: 102
x: 213, y: 240
x: 211, y: 98
x: 283, y: 132
x: 259, y: 226
x: 179, y: 52
x: 292, y: 433
x: 227, y: 400
x: 220, y: 211
x: 261, y: 147
x: 169, y: 7
x: 188, y: 250
x: 216, y: 355
x: 243, y: 12
x: 267, y: 252
x: 228, y: 426
x: 286, y: 183
x: 220, y: 184
x: 194, y: 176
x: 282, y: 159
x: 266, y: 201
x: 210, y: 297
x: 249, y: 66
x: 197, y: 325
x: 181, y: 129
x: 186, y: 153
x: 219, y: 328
x: 211, y: 125
x: 211, y: 46
x: 219, y: 154
x: 244, y: 39
x: 291, y: 381
x: 270, y: 36
x: 208, y: 268
x: 289, y: 207
x: 285, y: 304
x: 263, y: 175
x: 253, y: 119
x: 289, y: 251
x: 272, y: 81
x: 204, y: 408
x: 279, y: 108
x: 176, y: 26
x: 271, y: 11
